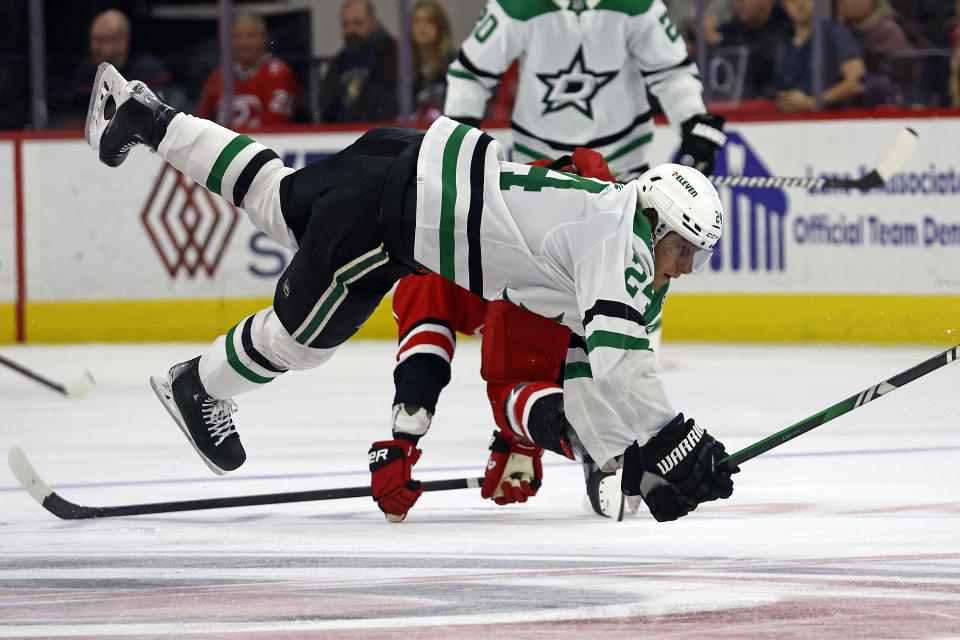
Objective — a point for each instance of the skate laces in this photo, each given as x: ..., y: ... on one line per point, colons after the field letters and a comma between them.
x: 217, y: 414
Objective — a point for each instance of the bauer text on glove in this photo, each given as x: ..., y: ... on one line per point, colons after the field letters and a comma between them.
x: 391, y: 462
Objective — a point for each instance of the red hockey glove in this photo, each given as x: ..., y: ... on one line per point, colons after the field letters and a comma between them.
x: 583, y: 162
x: 392, y: 488
x: 514, y: 471
x: 550, y: 164
x: 591, y: 164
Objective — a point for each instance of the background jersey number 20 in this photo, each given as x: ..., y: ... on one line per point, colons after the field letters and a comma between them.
x: 488, y: 23
x: 485, y: 26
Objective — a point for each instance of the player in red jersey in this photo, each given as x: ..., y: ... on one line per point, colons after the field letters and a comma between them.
x: 265, y: 90
x: 522, y: 362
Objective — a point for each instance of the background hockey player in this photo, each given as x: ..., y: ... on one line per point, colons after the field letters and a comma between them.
x: 556, y: 110
x: 587, y: 71
x: 398, y: 199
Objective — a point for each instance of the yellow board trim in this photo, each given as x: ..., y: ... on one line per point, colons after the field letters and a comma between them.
x: 160, y: 320
x: 846, y: 318
x: 701, y: 317
x: 8, y: 322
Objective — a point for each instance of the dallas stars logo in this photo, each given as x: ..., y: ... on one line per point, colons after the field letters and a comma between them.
x: 574, y: 86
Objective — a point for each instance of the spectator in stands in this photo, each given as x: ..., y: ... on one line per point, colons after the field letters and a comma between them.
x: 757, y: 25
x: 110, y: 37
x: 433, y: 50
x: 874, y: 24
x: 842, y: 70
x: 265, y: 90
x: 361, y: 82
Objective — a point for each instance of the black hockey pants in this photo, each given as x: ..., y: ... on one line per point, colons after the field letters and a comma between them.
x: 351, y: 214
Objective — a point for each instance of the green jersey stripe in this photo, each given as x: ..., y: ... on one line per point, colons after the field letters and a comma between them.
x: 235, y: 146
x: 234, y: 360
x: 539, y: 178
x: 573, y: 370
x: 616, y: 341
x: 629, y: 7
x: 641, y: 229
x: 655, y: 306
x: 448, y: 201
x: 524, y: 10
x: 630, y: 146
x: 457, y: 73
x: 332, y: 297
x: 527, y: 151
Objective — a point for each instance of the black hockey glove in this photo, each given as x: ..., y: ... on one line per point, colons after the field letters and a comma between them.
x: 702, y: 138
x: 676, y: 470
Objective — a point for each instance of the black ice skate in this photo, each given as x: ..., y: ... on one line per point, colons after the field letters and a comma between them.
x: 603, y: 490
x: 206, y: 421
x: 122, y: 115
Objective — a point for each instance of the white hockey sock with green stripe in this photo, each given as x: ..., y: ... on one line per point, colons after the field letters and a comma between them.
x: 253, y: 353
x: 246, y: 173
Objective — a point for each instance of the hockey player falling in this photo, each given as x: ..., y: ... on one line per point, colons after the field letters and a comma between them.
x: 588, y: 71
x: 522, y: 363
x: 399, y: 199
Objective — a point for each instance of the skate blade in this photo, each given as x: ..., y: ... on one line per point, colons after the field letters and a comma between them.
x: 106, y: 83
x: 609, y: 498
x: 161, y: 387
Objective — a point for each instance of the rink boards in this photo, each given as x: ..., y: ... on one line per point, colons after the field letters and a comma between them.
x: 89, y: 253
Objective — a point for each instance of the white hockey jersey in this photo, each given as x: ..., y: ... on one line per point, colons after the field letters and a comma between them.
x: 568, y: 248
x: 585, y: 69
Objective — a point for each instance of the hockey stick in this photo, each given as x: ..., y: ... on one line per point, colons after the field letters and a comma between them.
x: 902, y: 147
x: 75, y: 390
x: 842, y: 407
x: 62, y: 508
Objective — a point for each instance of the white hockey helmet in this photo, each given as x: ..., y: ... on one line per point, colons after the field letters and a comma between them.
x: 685, y: 202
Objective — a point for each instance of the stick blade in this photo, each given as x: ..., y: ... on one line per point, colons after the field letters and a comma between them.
x: 27, y: 475
x: 898, y: 154
x: 81, y: 387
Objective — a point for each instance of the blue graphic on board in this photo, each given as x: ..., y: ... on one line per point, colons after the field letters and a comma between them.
x: 754, y: 232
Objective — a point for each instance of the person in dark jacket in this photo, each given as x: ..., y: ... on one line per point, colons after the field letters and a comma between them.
x: 110, y: 41
x: 757, y: 25
x: 361, y: 82
x: 842, y: 66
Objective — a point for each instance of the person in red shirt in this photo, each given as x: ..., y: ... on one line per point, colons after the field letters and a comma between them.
x: 265, y: 89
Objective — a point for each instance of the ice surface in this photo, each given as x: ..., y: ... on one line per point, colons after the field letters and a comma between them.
x: 852, y: 530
